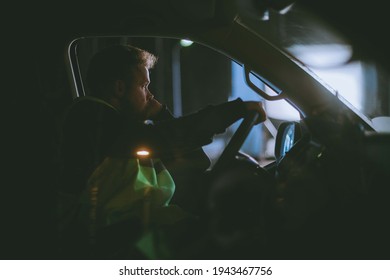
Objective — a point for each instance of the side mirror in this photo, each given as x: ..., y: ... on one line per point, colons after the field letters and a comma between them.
x: 288, y: 134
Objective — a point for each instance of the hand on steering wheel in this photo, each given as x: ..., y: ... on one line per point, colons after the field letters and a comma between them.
x: 256, y: 106
x: 255, y: 115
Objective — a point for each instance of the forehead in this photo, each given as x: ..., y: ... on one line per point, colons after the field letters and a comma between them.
x: 140, y: 74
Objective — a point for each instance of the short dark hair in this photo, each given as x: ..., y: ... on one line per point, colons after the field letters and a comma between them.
x: 115, y: 62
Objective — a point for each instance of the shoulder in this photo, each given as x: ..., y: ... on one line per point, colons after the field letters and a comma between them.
x: 90, y: 108
x: 91, y: 104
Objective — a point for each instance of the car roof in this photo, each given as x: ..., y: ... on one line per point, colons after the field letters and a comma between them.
x: 365, y: 24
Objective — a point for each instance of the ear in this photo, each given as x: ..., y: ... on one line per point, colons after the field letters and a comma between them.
x: 119, y: 88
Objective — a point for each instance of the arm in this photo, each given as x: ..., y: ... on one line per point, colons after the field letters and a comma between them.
x: 180, y: 135
x: 93, y: 130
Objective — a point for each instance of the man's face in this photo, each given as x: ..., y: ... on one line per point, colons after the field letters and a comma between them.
x: 137, y: 101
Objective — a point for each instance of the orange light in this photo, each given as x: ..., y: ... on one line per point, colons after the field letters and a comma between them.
x: 143, y: 153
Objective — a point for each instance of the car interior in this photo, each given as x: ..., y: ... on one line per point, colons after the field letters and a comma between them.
x: 311, y: 182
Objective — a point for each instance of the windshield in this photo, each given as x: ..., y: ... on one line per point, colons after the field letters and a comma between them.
x: 358, y: 82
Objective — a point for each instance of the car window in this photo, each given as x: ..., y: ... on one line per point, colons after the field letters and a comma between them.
x: 356, y: 80
x: 188, y: 77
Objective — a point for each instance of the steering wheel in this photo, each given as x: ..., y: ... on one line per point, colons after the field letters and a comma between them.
x: 235, y: 143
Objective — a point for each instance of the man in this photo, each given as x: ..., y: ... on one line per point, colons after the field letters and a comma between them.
x: 115, y: 143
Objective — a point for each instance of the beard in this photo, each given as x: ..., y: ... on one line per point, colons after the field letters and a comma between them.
x: 152, y: 108
x: 141, y: 111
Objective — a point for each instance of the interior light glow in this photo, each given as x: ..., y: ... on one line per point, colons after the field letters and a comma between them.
x: 143, y: 153
x: 185, y: 43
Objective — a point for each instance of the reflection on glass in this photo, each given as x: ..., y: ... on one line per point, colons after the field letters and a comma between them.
x: 288, y: 140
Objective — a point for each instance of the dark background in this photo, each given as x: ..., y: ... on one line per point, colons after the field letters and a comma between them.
x: 34, y: 90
